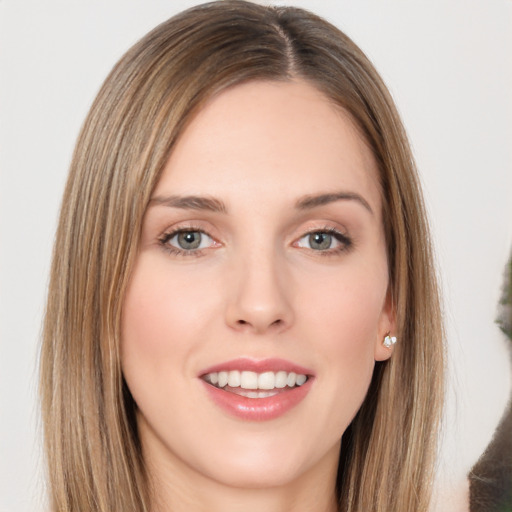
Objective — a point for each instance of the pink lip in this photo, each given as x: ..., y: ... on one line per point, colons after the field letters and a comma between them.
x: 258, y: 409
x: 258, y: 366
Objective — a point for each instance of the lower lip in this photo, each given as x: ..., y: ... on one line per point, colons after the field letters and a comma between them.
x: 258, y: 409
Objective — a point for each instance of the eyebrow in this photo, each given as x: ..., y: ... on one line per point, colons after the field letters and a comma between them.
x: 213, y: 204
x: 313, y: 201
x: 190, y: 203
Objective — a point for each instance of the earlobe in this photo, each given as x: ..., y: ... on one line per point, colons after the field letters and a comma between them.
x: 384, y: 347
x: 389, y: 341
x: 386, y: 338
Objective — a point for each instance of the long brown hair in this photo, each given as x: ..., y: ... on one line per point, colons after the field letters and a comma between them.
x: 92, y: 448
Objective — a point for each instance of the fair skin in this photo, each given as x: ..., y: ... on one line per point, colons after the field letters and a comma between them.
x: 284, y: 263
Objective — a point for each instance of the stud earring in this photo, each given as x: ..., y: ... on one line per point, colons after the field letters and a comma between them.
x: 389, y: 341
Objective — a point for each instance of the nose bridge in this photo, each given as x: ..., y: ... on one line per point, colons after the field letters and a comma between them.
x: 260, y: 296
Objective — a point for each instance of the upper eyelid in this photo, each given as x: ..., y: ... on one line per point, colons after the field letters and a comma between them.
x: 324, y: 228
x: 299, y: 231
x: 336, y: 233
x: 181, y: 226
x: 171, y: 233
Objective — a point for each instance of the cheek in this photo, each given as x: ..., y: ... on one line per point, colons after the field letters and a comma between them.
x: 160, y: 307
x: 347, y: 334
x: 347, y: 306
x: 345, y: 318
x: 160, y: 310
x: 146, y: 317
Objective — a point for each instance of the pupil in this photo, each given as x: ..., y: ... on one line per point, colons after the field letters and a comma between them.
x: 189, y: 240
x: 320, y: 241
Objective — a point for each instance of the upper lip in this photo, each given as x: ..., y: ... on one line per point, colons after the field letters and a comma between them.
x: 258, y: 366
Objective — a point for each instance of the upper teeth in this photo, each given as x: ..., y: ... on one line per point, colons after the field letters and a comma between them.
x: 253, y: 380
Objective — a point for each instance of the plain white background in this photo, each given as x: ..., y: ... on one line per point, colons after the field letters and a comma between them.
x: 448, y: 65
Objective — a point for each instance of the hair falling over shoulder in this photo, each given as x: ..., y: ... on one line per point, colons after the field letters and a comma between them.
x: 94, y: 458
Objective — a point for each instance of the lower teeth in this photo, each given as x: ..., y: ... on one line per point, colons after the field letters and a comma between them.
x: 255, y: 393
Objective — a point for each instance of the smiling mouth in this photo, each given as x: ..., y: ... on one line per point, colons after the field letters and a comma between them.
x: 255, y: 385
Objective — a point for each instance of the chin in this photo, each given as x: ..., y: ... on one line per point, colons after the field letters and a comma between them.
x: 260, y: 463
x: 262, y: 473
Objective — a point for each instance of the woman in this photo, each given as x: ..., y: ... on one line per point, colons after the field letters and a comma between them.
x: 242, y: 241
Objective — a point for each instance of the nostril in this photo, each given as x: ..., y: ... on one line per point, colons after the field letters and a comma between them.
x: 275, y: 323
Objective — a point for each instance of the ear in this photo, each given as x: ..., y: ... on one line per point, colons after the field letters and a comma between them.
x: 387, y: 326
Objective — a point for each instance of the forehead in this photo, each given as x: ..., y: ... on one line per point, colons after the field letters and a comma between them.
x: 271, y: 136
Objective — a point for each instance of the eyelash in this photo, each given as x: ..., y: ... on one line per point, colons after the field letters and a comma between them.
x: 346, y: 243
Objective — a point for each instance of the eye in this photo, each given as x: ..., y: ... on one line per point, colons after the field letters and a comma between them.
x: 319, y: 241
x: 187, y: 240
x: 327, y: 240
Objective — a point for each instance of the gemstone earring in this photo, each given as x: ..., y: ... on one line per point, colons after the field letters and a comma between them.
x: 389, y: 341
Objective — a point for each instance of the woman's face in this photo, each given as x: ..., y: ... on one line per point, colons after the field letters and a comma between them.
x: 262, y: 262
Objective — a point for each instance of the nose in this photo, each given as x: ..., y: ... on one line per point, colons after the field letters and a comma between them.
x: 259, y: 298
